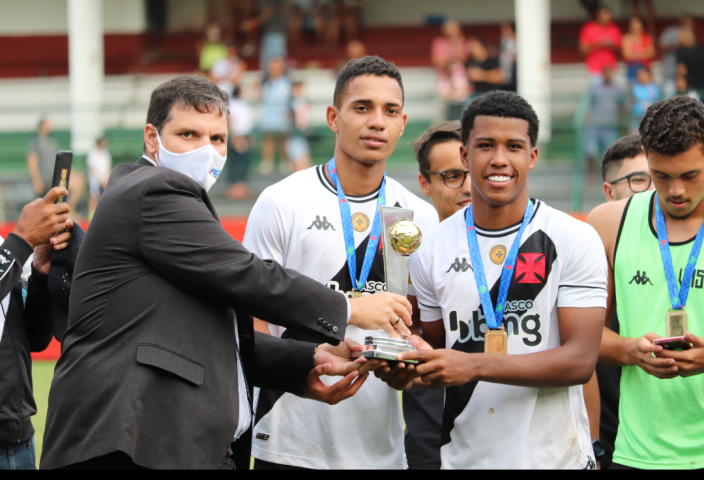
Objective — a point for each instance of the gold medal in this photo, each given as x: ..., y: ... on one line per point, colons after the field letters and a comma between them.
x: 356, y: 294
x: 496, y: 341
x: 360, y: 222
x: 675, y: 323
x: 497, y: 254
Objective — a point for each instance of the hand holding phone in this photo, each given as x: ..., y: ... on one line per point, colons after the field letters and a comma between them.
x: 62, y: 171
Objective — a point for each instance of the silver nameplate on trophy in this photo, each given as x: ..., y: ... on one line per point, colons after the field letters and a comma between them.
x: 387, y: 348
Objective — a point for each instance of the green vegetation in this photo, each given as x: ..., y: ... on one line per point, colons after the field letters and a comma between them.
x: 42, y: 373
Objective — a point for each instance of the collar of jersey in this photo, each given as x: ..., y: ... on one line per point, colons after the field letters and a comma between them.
x: 504, y: 232
x: 352, y: 198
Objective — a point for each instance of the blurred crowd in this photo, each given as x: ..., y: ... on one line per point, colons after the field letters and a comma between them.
x: 615, y: 107
x: 468, y: 67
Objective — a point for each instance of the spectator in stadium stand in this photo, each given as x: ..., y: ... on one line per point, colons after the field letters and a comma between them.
x: 449, y: 53
x: 446, y: 182
x: 40, y: 163
x: 669, y: 43
x: 599, y: 40
x: 239, y: 146
x: 227, y: 72
x: 645, y: 93
x: 160, y: 357
x: 690, y: 60
x: 607, y: 101
x: 297, y: 147
x: 354, y: 51
x: 306, y: 15
x: 483, y: 68
x: 638, y: 49
x: 211, y: 49
x: 625, y: 172
x: 661, y: 413
x: 684, y: 89
x: 272, y: 20
x: 274, y: 119
x: 98, y: 167
x: 507, y: 56
x: 26, y: 320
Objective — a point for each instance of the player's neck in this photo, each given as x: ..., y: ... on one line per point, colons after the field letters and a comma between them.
x: 682, y: 229
x: 493, y: 217
x: 357, y: 178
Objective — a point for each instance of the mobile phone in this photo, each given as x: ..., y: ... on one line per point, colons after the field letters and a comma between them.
x: 673, y: 343
x: 62, y: 171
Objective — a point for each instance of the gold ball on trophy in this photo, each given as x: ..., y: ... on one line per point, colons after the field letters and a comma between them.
x: 405, y: 237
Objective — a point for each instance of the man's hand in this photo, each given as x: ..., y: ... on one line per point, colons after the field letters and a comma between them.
x: 401, y: 376
x: 640, y: 353
x: 41, y: 220
x: 382, y: 311
x: 42, y: 254
x: 687, y: 362
x: 442, y: 368
x: 336, y: 361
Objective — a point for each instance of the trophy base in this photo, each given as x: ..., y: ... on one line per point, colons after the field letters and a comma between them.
x: 387, y: 349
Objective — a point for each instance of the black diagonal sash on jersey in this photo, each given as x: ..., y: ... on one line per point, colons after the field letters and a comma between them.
x: 457, y: 398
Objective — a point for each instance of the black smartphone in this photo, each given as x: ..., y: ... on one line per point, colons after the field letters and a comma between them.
x: 673, y: 343
x: 62, y: 171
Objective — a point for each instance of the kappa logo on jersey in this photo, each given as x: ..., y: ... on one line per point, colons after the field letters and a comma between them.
x: 321, y: 224
x: 3, y: 260
x: 530, y: 268
x: 641, y: 279
x: 460, y: 267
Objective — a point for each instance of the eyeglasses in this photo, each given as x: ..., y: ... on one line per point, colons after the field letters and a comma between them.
x: 637, y: 181
x: 452, y: 178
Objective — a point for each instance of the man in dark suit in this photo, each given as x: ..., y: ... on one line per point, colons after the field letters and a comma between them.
x: 156, y: 369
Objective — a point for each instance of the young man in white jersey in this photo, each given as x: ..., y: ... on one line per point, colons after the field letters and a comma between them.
x: 514, y: 400
x: 445, y: 181
x: 661, y: 406
x: 320, y: 221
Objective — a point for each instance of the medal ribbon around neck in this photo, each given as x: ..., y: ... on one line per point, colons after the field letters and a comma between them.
x: 494, y: 317
x: 348, y: 230
x: 678, y: 298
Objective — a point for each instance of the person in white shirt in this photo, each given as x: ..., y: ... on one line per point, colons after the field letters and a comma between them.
x: 99, y: 162
x: 301, y: 222
x: 239, y: 146
x: 516, y: 351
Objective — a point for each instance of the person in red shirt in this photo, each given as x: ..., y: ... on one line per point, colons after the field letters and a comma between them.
x: 638, y: 49
x: 599, y: 41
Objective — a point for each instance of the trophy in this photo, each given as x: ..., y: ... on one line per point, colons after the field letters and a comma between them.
x: 400, y: 238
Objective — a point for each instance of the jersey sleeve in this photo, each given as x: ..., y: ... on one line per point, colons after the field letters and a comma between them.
x: 584, y: 275
x: 265, y: 235
x: 424, y: 290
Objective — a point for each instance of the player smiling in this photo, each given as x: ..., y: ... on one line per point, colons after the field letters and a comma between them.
x: 521, y: 325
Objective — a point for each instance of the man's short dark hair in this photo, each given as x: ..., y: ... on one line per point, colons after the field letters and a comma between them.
x: 671, y: 127
x: 500, y: 104
x: 435, y: 135
x: 376, y: 66
x: 624, y: 148
x: 185, y: 91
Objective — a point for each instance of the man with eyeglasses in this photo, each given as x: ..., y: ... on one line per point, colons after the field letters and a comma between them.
x: 625, y: 172
x: 625, y: 169
x: 445, y: 181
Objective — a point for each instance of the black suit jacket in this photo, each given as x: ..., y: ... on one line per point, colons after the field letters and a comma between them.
x: 148, y: 364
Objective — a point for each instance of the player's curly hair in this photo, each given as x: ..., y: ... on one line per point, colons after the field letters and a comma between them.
x: 369, y: 65
x: 500, y: 104
x: 671, y: 127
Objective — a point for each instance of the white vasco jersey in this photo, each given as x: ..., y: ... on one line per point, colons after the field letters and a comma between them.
x: 561, y: 263
x: 297, y: 223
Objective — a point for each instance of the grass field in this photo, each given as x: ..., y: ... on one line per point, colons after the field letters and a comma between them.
x: 42, y: 373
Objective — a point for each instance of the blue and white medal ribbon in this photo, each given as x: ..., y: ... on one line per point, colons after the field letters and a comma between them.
x: 494, y: 316
x: 348, y: 231
x: 678, y: 298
